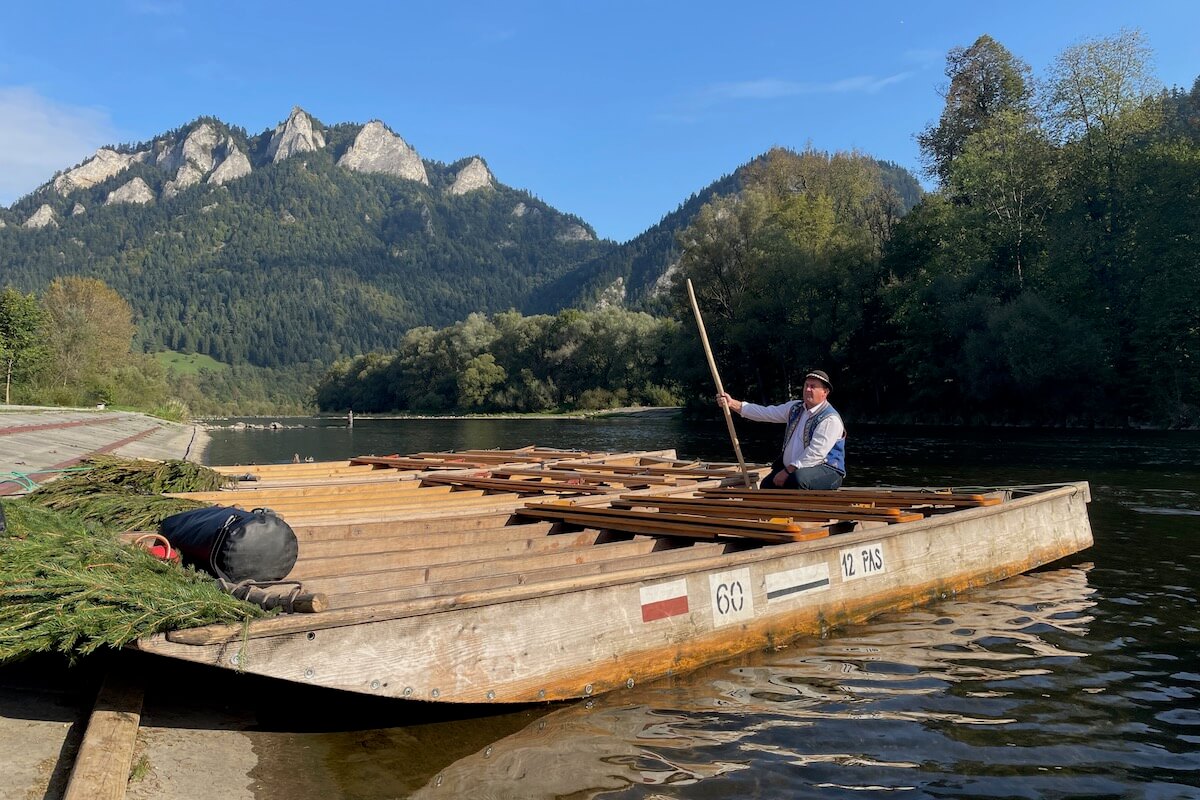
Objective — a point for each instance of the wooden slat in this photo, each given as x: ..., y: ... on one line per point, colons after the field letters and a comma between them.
x: 418, y: 540
x: 530, y: 579
x: 589, y: 476
x: 353, y: 562
x: 506, y: 485
x: 457, y: 570
x: 348, y: 490
x: 752, y: 508
x: 660, y: 523
x: 748, y: 511
x: 889, y: 497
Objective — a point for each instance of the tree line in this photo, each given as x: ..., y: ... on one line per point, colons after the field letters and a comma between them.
x: 1055, y: 265
x: 510, y: 362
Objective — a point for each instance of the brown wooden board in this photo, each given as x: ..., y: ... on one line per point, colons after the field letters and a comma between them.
x: 750, y: 511
x: 660, y: 523
x: 889, y: 497
x: 519, y: 486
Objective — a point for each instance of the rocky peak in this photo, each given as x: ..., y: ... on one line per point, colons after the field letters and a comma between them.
x: 376, y: 149
x: 136, y: 191
x: 96, y: 169
x: 296, y: 135
x: 77, y: 210
x: 41, y: 218
x: 235, y: 165
x: 196, y: 149
x: 475, y: 175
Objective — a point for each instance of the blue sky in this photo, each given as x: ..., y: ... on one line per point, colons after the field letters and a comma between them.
x: 615, y: 111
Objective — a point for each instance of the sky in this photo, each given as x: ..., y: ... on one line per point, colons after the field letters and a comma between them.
x: 614, y: 111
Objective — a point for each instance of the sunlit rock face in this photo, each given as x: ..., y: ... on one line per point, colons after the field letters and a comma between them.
x: 136, y: 191
x: 575, y: 233
x: 96, y: 169
x: 613, y: 295
x: 475, y: 175
x: 41, y: 218
x: 296, y: 135
x: 189, y: 175
x: 376, y: 149
x: 235, y: 165
x: 195, y: 149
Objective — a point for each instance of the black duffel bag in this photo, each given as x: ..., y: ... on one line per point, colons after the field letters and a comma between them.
x: 233, y: 544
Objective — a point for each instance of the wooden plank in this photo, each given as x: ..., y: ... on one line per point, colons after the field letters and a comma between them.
x: 336, y: 584
x: 422, y: 464
x: 660, y: 523
x: 588, y: 476
x: 507, y: 485
x: 101, y: 770
x: 319, y: 548
x: 750, y: 512
x: 327, y: 502
x: 753, y: 509
x: 389, y: 489
x: 434, y: 553
x: 529, y: 579
x: 889, y: 497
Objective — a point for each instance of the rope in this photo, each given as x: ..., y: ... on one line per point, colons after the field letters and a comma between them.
x: 27, y: 483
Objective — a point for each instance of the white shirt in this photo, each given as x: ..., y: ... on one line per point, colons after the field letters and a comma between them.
x: 824, y: 436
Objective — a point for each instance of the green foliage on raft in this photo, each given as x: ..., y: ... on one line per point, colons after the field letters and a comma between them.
x: 71, y: 587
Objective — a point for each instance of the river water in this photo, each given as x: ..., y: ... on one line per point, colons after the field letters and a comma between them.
x: 1079, y: 680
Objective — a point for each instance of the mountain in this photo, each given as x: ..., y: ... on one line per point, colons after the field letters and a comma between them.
x: 309, y: 242
x: 303, y: 242
x: 634, y: 274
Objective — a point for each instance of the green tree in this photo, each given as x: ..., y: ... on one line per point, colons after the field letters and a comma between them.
x: 89, y: 331
x: 985, y: 79
x: 1006, y: 169
x: 22, y: 335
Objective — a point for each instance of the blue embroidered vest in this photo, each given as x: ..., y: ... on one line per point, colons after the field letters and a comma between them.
x: 837, y: 455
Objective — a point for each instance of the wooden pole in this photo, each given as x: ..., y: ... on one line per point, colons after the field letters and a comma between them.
x: 712, y: 366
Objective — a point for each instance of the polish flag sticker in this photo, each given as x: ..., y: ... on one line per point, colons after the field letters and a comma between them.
x: 664, y: 600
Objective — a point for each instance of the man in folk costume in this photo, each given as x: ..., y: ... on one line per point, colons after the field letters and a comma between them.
x: 814, y: 447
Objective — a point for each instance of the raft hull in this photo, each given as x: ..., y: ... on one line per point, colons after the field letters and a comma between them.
x: 617, y: 625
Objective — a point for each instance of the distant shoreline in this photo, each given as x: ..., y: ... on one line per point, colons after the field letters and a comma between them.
x: 655, y: 412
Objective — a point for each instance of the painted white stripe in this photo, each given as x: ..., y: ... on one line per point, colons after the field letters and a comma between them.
x: 789, y: 583
x: 664, y: 591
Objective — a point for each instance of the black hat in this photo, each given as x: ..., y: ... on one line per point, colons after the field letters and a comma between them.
x: 821, y: 376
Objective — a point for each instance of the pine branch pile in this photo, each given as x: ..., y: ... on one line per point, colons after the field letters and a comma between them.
x: 67, y: 587
x: 125, y: 494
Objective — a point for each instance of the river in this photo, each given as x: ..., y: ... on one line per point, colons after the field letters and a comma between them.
x: 1081, y: 679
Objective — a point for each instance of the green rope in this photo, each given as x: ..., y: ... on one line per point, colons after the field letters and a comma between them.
x: 27, y: 483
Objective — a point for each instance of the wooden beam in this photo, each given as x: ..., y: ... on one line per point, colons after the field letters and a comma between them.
x: 101, y: 770
x: 747, y: 511
x: 660, y: 523
x: 887, y: 497
x: 519, y: 486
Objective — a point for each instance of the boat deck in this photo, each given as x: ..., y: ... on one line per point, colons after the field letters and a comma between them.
x: 397, y: 535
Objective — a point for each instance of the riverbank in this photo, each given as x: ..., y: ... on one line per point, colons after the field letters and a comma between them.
x: 37, y: 443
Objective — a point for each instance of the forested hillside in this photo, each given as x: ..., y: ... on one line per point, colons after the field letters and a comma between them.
x: 636, y: 275
x: 297, y: 260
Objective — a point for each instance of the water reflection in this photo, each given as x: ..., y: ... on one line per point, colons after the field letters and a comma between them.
x: 908, y: 701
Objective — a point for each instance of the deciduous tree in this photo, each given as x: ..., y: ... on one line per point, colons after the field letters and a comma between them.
x: 22, y: 344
